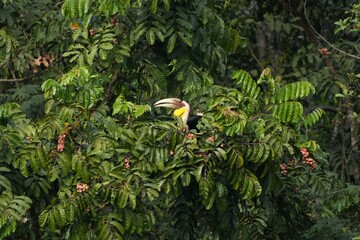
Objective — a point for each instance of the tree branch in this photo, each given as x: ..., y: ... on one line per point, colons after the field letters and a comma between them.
x: 324, y: 39
x: 254, y: 56
x: 12, y: 80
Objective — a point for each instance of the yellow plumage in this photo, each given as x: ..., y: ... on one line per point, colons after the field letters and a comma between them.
x: 179, y: 112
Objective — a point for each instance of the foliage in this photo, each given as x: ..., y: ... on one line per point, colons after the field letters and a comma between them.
x: 128, y: 166
x: 351, y: 23
x: 31, y: 45
x: 324, y: 211
x: 13, y: 208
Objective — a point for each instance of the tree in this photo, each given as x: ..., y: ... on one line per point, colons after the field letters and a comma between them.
x: 31, y: 45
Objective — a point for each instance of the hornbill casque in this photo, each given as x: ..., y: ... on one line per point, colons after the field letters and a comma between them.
x: 182, y: 110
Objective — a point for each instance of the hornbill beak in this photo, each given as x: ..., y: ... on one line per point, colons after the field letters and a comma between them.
x: 174, y: 103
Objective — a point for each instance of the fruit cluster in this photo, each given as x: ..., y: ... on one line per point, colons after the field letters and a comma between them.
x: 291, y: 163
x: 190, y: 136
x: 284, y: 166
x: 114, y: 21
x: 61, y: 142
x: 61, y: 139
x: 211, y: 139
x: 283, y: 169
x: 81, y: 187
x: 92, y: 32
x: 306, y: 159
x: 29, y: 138
x: 324, y: 51
x: 202, y: 154
x: 127, y: 163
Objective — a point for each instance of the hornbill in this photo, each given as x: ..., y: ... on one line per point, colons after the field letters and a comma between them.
x: 182, y: 110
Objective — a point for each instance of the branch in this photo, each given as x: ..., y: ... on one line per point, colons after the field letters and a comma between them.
x: 331, y: 193
x: 323, y: 107
x: 12, y: 80
x: 324, y: 39
x: 254, y: 56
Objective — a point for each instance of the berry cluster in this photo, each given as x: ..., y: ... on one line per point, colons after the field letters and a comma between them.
x: 306, y: 159
x: 324, y: 51
x: 211, y: 139
x: 81, y: 187
x: 127, y: 163
x: 61, y: 142
x: 202, y: 154
x: 29, y: 138
x: 114, y: 21
x: 61, y: 139
x: 283, y: 169
x: 190, y: 136
x: 304, y: 152
x: 92, y: 32
x: 291, y: 163
x: 184, y: 130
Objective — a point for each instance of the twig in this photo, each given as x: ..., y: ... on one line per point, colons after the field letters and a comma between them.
x: 254, y: 56
x: 324, y: 39
x: 12, y: 80
x: 330, y: 193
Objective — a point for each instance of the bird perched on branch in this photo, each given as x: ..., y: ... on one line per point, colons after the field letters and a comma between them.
x: 182, y: 110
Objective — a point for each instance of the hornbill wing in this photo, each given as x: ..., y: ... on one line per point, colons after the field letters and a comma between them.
x: 193, y: 121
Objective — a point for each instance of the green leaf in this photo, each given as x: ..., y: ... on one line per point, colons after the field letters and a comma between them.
x: 9, y: 109
x: 122, y: 198
x: 209, y: 202
x: 4, y: 182
x: 75, y: 8
x: 186, y: 179
x: 89, y: 57
x: 159, y: 34
x: 204, y: 188
x: 43, y: 218
x: 197, y: 172
x: 153, y: 6
x: 220, y: 153
x: 177, y: 174
x: 106, y: 46
x: 294, y: 91
x: 166, y: 5
x: 186, y: 39
x: 150, y: 36
x: 246, y: 83
x: 290, y: 112
x: 132, y: 199
x: 69, y: 53
x: 313, y: 117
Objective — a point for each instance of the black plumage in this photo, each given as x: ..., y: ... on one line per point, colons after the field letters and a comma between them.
x: 193, y: 121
